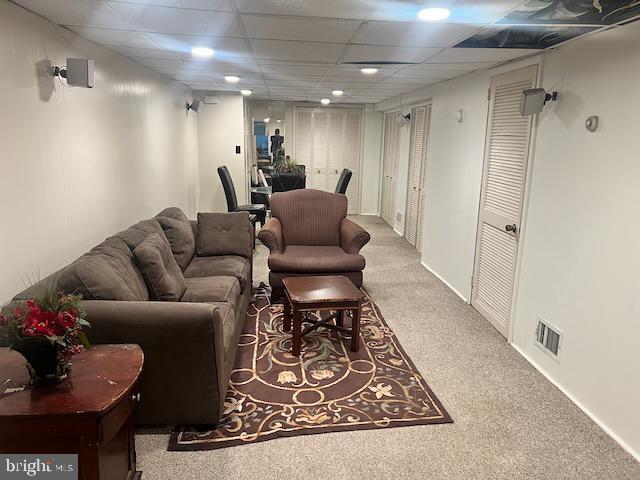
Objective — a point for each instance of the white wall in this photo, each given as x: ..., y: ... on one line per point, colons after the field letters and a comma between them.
x: 220, y: 129
x: 77, y: 165
x: 579, y: 257
x: 581, y: 261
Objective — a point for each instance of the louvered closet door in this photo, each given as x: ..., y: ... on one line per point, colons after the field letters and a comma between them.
x: 327, y: 141
x: 420, y: 126
x: 423, y: 178
x: 390, y: 167
x: 505, y: 168
x: 352, y: 136
x: 317, y: 174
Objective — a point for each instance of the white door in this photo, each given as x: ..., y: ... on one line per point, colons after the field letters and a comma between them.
x: 418, y: 162
x: 327, y: 141
x: 503, y: 184
x: 390, y: 163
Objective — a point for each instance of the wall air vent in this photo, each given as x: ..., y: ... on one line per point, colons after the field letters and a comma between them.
x: 548, y: 338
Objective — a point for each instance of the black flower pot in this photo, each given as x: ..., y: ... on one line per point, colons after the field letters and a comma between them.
x: 42, y: 359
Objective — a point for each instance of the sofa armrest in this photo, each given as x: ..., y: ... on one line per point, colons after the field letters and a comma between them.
x: 183, y: 350
x: 271, y: 235
x: 352, y: 236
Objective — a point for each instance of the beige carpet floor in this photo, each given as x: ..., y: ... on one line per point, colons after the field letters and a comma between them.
x: 510, y: 422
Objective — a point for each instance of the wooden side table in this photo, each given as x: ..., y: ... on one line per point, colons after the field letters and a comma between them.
x: 321, y: 293
x: 89, y: 414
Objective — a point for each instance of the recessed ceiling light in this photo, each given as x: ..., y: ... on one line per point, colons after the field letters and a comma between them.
x: 337, y: 93
x: 369, y: 71
x: 266, y: 120
x: 231, y: 79
x: 246, y: 93
x: 434, y: 14
x: 325, y: 101
x: 279, y: 121
x: 202, y: 52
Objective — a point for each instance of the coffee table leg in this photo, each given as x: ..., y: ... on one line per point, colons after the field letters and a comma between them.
x: 297, y: 332
x: 355, y: 329
x: 287, y: 314
x: 339, y: 318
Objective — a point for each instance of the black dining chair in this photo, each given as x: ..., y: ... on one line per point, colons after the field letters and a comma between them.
x: 343, y: 181
x: 257, y: 209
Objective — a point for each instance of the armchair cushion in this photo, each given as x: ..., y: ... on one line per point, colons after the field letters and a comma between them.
x: 271, y: 235
x: 224, y: 234
x: 311, y: 259
x: 159, y: 269
x: 352, y: 236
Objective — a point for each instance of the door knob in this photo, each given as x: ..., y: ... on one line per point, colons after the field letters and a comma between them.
x: 511, y: 228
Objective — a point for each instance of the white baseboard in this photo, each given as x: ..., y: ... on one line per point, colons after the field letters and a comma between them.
x: 593, y: 417
x: 398, y: 232
x: 464, y: 299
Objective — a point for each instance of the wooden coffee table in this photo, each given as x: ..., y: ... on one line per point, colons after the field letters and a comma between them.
x: 321, y: 293
x: 89, y: 414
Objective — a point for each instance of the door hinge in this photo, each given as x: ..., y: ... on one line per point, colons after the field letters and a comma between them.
x: 471, y: 281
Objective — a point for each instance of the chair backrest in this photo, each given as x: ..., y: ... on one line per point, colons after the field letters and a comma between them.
x: 309, y: 217
x: 283, y: 182
x: 262, y: 178
x: 229, y: 190
x: 343, y: 181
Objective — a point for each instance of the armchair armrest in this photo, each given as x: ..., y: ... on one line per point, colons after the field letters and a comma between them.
x: 271, y: 235
x: 352, y: 236
x: 183, y: 350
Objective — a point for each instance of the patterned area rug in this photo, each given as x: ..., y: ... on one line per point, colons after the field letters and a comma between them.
x: 328, y: 389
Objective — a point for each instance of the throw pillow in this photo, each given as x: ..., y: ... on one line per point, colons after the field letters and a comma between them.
x: 224, y: 234
x: 159, y: 269
x: 180, y: 236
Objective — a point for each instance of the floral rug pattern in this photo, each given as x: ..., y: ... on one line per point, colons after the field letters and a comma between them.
x: 329, y: 388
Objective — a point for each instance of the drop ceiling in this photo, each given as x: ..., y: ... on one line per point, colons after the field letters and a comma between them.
x: 291, y: 49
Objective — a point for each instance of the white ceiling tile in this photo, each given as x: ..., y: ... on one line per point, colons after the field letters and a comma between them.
x: 310, y: 30
x: 225, y: 47
x: 479, y: 55
x: 413, y: 34
x: 458, y: 66
x: 370, y: 53
x: 281, y: 50
x: 219, y: 5
x: 147, y: 53
x: 88, y: 13
x: 158, y: 62
x: 295, y: 69
x: 120, y: 38
x: 150, y: 18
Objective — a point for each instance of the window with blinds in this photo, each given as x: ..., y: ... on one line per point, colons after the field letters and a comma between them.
x: 328, y: 140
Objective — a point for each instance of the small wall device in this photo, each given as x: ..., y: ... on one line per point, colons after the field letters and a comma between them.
x: 533, y: 100
x: 195, y: 105
x: 77, y: 71
x: 402, y: 119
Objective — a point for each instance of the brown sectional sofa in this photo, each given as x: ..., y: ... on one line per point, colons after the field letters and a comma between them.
x: 190, y: 344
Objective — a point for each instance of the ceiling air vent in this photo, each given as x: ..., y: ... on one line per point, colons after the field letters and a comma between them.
x: 379, y: 62
x: 548, y: 338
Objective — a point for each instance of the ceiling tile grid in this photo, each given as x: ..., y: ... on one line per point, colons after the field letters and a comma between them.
x: 291, y: 49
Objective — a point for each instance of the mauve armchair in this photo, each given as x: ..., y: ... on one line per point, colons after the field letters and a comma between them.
x: 308, y: 234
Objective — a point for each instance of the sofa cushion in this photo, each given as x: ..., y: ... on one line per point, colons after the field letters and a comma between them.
x: 173, y: 212
x: 159, y: 269
x: 224, y: 265
x: 107, y: 272
x: 181, y: 239
x: 303, y: 258
x: 212, y: 289
x: 224, y: 234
